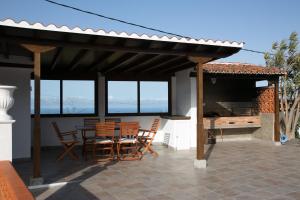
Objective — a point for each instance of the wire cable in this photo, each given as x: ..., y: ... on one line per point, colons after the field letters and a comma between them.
x: 115, y: 19
x: 137, y: 25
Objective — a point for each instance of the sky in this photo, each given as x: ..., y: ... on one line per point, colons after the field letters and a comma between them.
x: 258, y: 23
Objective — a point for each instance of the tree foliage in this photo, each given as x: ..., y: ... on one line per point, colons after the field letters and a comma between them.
x: 285, y: 55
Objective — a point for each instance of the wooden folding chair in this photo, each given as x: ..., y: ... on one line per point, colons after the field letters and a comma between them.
x: 104, y: 140
x: 113, y: 119
x: 146, y: 138
x: 89, y: 126
x: 68, y: 144
x: 128, y: 141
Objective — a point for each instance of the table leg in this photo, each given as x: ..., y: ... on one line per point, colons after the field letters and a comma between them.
x: 83, y: 142
x: 221, y: 131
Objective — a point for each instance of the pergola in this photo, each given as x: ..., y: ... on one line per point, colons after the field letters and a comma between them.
x: 61, y: 52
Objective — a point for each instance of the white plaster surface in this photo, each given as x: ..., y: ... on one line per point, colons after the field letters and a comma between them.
x: 200, y: 164
x: 21, y: 130
x: 6, y: 140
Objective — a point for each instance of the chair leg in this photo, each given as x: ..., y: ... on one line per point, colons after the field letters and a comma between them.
x: 83, y: 147
x: 112, y: 153
x: 68, y: 150
x: 94, y: 152
x: 83, y: 142
x: 118, y: 151
x: 73, y: 154
x: 150, y: 149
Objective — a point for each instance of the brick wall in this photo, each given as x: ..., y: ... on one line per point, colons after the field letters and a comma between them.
x: 265, y: 100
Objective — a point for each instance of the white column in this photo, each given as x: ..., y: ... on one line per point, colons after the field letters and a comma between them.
x: 6, y: 121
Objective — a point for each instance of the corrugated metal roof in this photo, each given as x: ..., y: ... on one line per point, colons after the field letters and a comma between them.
x: 240, y: 68
x: 66, y: 29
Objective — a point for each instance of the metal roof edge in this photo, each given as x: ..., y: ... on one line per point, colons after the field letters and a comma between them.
x: 100, y: 32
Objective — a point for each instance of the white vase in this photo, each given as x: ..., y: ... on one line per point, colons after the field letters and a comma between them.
x: 6, y: 101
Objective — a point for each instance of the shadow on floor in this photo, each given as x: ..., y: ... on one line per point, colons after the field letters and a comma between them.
x: 209, y: 151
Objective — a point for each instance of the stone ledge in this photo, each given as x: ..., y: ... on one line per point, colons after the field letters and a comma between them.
x: 8, y: 122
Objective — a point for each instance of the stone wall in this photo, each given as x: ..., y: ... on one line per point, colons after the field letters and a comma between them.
x: 266, y: 132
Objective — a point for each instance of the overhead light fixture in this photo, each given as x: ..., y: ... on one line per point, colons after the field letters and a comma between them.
x: 213, y: 80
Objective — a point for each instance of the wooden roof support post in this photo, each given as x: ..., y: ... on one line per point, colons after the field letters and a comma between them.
x: 200, y: 161
x: 276, y: 112
x: 37, y: 50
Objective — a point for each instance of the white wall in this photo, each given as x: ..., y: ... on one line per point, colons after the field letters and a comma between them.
x: 21, y: 132
x: 193, y: 114
x: 181, y: 134
x: 183, y: 92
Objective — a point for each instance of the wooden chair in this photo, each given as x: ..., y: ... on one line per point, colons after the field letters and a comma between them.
x: 146, y: 138
x: 104, y: 140
x: 68, y: 144
x: 128, y: 141
x: 88, y: 140
x: 117, y: 121
x: 113, y: 119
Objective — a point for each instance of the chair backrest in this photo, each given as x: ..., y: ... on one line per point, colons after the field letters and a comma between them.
x: 90, y: 122
x: 105, y: 129
x: 155, y: 125
x: 154, y: 128
x: 57, y: 131
x: 129, y: 129
x: 113, y: 119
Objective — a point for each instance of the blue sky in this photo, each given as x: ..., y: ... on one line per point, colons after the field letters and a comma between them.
x: 258, y: 23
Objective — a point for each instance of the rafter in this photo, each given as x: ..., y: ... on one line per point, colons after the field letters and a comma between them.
x: 169, y: 61
x: 114, y: 65
x: 121, y: 65
x: 81, y: 55
x: 175, y: 68
x: 78, y: 58
x: 6, y: 50
x: 143, y: 63
x: 56, y: 58
x: 102, y: 59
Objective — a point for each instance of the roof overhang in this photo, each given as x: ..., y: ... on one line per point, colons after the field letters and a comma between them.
x: 88, y: 51
x: 240, y: 71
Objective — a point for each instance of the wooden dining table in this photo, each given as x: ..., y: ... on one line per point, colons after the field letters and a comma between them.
x: 84, y: 130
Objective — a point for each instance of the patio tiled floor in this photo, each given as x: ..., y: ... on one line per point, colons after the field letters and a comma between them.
x: 237, y: 170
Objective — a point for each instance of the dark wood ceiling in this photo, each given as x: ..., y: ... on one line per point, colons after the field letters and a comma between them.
x: 80, y: 54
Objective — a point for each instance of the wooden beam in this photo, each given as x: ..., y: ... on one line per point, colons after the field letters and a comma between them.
x: 37, y: 50
x: 141, y: 58
x: 112, y: 66
x: 77, y: 59
x: 201, y: 60
x: 37, y: 117
x: 117, y: 48
x: 101, y: 61
x: 200, y: 125
x: 56, y: 58
x: 120, y: 64
x: 144, y: 63
x: 81, y: 54
x: 175, y: 68
x: 6, y: 50
x: 169, y: 61
x: 16, y: 65
x: 276, y: 113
